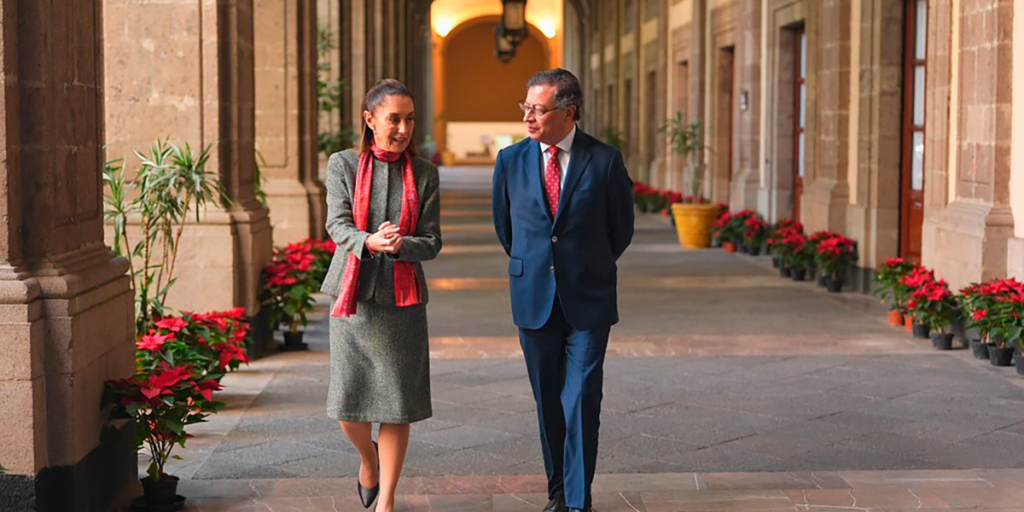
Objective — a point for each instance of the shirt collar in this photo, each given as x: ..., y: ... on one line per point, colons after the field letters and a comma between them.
x: 564, y: 145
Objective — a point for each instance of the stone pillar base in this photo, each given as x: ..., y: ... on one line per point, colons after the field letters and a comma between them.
x: 824, y: 204
x: 67, y: 328
x: 968, y: 242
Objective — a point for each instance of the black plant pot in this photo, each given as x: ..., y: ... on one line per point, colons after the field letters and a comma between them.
x: 979, y: 349
x: 1020, y: 366
x: 785, y: 271
x: 823, y: 281
x: 943, y: 340
x: 921, y: 331
x: 159, y: 496
x: 1000, y: 356
x: 775, y: 262
x: 754, y: 250
x: 833, y: 285
x: 798, y: 274
x: 293, y: 341
x: 742, y: 248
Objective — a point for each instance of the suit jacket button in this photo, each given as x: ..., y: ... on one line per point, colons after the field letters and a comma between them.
x: 552, y: 269
x: 554, y: 239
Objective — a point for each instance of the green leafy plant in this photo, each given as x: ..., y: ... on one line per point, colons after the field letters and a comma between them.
x: 329, y: 93
x: 684, y: 139
x: 3, y: 470
x: 170, y: 184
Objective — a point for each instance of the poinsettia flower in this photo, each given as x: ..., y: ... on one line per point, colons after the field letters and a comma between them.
x: 173, y: 324
x: 911, y: 303
x: 980, y: 314
x: 153, y: 340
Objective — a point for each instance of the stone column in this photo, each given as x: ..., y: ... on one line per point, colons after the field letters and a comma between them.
x: 873, y: 215
x: 826, y: 193
x: 748, y: 74
x: 971, y: 243
x: 286, y: 117
x: 65, y: 303
x: 184, y: 69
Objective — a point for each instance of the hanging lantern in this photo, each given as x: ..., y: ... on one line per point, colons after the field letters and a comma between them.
x: 513, y: 20
x: 504, y: 48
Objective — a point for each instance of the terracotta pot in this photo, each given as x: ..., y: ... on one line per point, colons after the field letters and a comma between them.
x: 693, y: 224
x: 729, y: 246
x: 896, y: 318
x: 908, y: 322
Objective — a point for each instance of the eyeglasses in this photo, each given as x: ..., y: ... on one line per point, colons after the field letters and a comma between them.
x: 536, y: 109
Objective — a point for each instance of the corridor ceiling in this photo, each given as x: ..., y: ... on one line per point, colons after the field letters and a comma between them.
x: 545, y: 15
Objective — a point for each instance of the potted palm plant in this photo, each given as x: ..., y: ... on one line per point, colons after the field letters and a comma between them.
x: 693, y: 219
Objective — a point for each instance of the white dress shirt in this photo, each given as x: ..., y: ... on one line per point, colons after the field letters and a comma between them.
x: 564, y: 152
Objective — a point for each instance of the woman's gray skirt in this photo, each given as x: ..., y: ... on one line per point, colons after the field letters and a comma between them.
x: 380, y: 365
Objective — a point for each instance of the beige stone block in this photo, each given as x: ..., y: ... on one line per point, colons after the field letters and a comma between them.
x: 88, y: 418
x: 22, y: 443
x: 21, y: 350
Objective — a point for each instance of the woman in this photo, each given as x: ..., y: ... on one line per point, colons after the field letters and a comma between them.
x: 383, y: 211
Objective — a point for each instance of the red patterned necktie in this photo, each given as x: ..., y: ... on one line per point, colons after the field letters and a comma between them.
x: 553, y: 180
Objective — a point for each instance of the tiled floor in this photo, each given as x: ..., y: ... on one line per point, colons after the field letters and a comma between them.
x: 727, y: 389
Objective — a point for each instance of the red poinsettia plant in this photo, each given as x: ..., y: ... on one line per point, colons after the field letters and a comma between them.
x: 755, y: 231
x: 162, y: 403
x: 995, y: 308
x: 212, y: 344
x: 645, y: 196
x: 888, y: 276
x: 792, y: 250
x: 778, y: 231
x: 932, y: 304
x: 294, y: 275
x: 833, y: 254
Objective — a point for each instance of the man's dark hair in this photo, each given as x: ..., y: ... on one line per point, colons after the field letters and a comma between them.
x: 567, y: 88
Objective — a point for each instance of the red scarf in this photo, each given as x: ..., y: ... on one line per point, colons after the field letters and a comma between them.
x: 407, y: 288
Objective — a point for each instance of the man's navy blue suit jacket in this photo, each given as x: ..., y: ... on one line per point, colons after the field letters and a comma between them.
x: 573, y: 254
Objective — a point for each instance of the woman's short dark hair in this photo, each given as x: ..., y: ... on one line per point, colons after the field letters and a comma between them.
x: 381, y: 91
x: 567, y: 88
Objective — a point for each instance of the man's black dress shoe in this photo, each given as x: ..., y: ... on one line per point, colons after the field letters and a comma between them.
x: 580, y: 510
x: 368, y: 495
x: 556, y: 505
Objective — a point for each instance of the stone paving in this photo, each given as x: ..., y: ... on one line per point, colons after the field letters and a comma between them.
x: 727, y: 389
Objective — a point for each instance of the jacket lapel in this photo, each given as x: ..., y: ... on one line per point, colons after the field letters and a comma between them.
x: 533, y: 176
x: 577, y: 166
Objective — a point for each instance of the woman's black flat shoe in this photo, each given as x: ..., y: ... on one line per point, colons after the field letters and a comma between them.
x: 369, y: 495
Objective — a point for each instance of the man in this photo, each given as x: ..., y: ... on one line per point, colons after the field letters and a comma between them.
x: 563, y: 211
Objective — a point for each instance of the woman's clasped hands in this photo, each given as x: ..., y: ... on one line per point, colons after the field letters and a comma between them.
x: 386, y: 240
